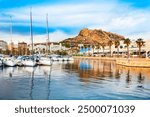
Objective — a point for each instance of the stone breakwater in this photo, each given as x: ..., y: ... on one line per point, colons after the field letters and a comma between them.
x: 132, y: 62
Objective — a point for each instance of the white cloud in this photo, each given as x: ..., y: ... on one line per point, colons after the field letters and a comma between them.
x: 54, y: 37
x: 145, y: 35
x: 59, y: 35
x: 111, y: 16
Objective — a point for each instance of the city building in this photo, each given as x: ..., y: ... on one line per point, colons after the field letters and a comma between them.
x: 22, y: 48
x: 12, y: 48
x: 3, y: 45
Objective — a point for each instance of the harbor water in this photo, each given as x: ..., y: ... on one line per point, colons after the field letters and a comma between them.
x: 81, y: 79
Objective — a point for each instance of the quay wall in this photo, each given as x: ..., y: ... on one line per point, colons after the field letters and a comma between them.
x: 132, y: 62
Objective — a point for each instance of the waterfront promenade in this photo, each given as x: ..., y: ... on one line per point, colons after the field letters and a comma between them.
x: 131, y: 62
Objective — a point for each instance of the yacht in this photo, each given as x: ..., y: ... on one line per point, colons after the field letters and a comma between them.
x: 65, y: 58
x: 70, y: 59
x: 60, y: 58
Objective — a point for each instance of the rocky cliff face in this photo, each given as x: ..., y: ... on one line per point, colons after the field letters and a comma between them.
x: 93, y: 37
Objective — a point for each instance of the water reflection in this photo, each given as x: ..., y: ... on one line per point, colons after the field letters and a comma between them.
x: 108, y: 69
x: 128, y: 77
x: 81, y: 79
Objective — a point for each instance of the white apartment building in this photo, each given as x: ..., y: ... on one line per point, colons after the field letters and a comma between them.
x: 41, y: 48
x: 133, y: 49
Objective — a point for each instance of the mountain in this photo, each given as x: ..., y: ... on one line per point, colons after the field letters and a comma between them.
x: 92, y: 37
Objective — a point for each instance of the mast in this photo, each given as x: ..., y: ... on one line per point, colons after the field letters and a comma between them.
x: 11, y: 43
x: 47, y: 31
x: 31, y: 31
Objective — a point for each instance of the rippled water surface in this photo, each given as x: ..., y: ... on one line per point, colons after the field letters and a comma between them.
x: 81, y: 79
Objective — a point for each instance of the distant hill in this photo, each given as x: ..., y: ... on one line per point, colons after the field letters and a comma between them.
x: 92, y: 37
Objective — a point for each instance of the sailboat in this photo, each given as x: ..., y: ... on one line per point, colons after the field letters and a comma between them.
x: 10, y: 61
x: 30, y: 62
x: 46, y: 60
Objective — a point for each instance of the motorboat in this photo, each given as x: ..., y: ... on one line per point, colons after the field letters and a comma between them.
x: 65, y: 58
x: 54, y: 58
x: 70, y: 59
x: 60, y: 58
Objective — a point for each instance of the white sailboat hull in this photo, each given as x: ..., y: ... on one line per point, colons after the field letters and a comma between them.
x: 1, y: 64
x: 10, y: 63
x: 29, y: 63
x: 46, y: 61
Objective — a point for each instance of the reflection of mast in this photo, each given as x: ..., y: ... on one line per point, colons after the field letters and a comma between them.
x: 140, y: 78
x: 110, y: 69
x: 128, y: 80
x: 47, y: 31
x: 49, y: 80
x: 117, y: 74
x: 32, y: 85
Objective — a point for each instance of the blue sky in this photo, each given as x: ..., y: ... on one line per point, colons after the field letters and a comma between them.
x: 130, y: 18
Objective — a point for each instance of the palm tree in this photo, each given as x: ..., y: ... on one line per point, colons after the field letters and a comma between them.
x: 103, y: 46
x: 140, y: 43
x: 117, y: 43
x: 82, y: 48
x: 127, y: 41
x: 89, y: 48
x: 98, y: 48
x: 110, y: 43
x: 85, y: 49
x: 93, y: 47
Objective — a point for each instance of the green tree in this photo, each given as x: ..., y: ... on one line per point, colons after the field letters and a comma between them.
x: 140, y: 42
x: 127, y: 41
